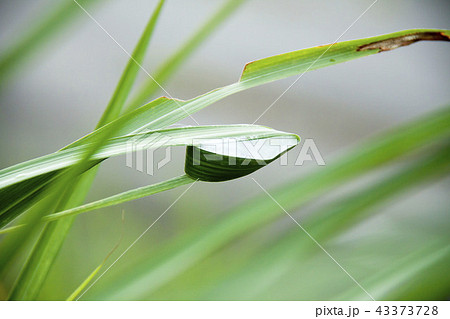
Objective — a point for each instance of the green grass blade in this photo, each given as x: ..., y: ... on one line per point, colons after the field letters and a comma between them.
x: 292, y: 63
x: 39, y: 262
x: 376, y: 152
x: 163, y: 111
x: 44, y: 252
x: 131, y: 71
x: 227, y: 10
x: 16, y: 198
x: 206, y: 169
x: 91, y: 276
x: 178, y: 59
x: 9, y: 229
x: 115, y: 105
x: 331, y: 221
x: 29, y: 282
x: 199, y: 166
x: 168, y: 68
x: 117, y: 146
x: 39, y: 35
x: 426, y: 279
x: 124, y: 197
x: 86, y: 282
x: 419, y: 276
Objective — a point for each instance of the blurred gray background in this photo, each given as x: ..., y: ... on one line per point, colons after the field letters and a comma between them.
x: 60, y: 94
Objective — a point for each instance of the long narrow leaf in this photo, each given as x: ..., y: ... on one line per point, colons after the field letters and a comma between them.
x: 130, y: 73
x: 409, y: 278
x: 379, y: 150
x: 121, y: 145
x: 163, y: 111
x: 124, y: 197
x: 174, y: 62
x: 331, y: 221
x: 44, y: 252
x: 92, y: 275
x: 155, y: 115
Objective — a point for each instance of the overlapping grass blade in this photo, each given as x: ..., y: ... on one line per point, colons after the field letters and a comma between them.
x: 177, y: 136
x: 35, y: 270
x: 16, y: 198
x: 86, y: 282
x: 120, y: 145
x: 131, y: 71
x: 170, y: 137
x: 331, y: 221
x: 76, y: 293
x: 163, y: 111
x: 124, y: 197
x: 419, y: 276
x: 376, y: 152
x: 167, y: 69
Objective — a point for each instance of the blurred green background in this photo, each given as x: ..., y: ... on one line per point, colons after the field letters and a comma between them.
x: 58, y: 93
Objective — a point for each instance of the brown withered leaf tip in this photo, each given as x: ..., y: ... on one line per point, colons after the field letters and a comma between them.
x: 394, y: 43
